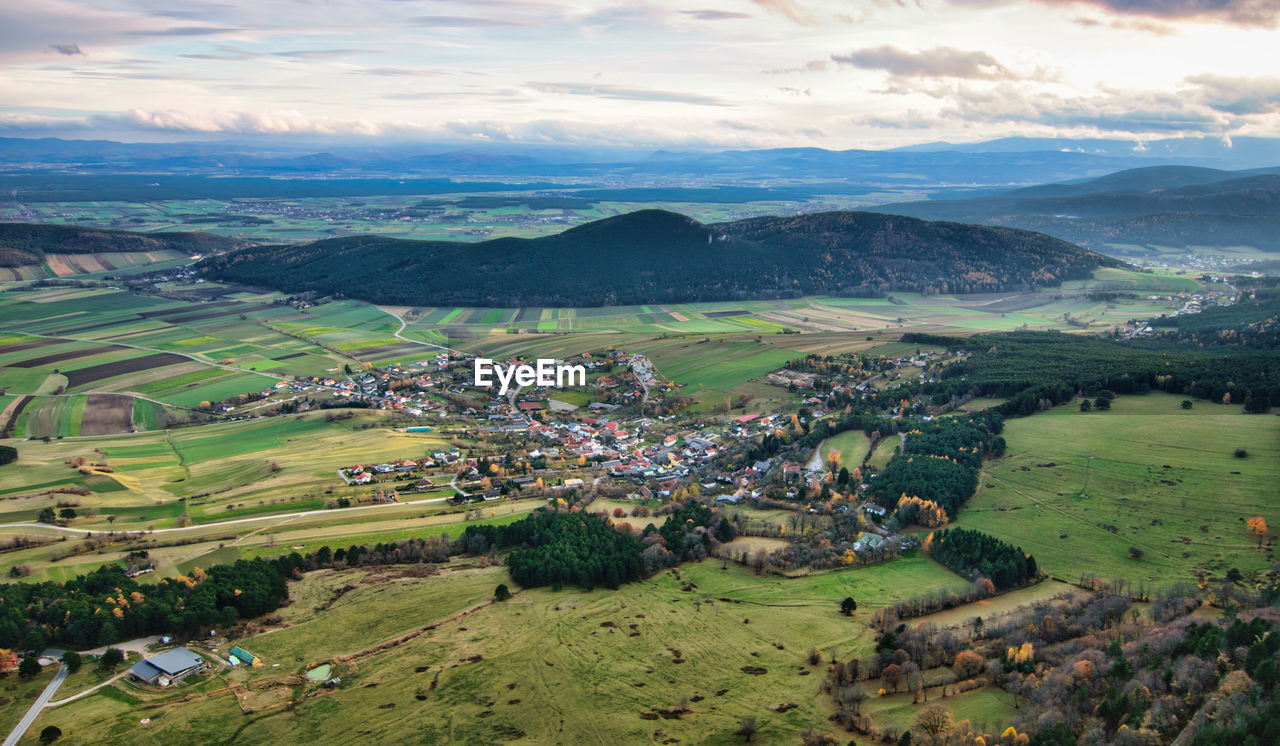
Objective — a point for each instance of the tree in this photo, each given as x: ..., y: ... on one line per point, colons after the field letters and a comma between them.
x: 1241, y: 453
x: 815, y: 655
x: 501, y: 593
x: 747, y: 729
x: 1186, y: 404
x: 47, y: 516
x: 1258, y: 527
x: 110, y: 659
x: 893, y: 676
x: 50, y: 734
x: 934, y: 719
x: 848, y: 606
x: 29, y: 667
x: 1135, y: 553
x: 968, y: 664
x: 112, y: 520
x: 72, y: 660
x: 67, y: 514
x: 8, y: 454
x: 1086, y: 405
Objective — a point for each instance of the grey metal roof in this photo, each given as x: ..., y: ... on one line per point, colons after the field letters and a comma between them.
x: 174, y: 661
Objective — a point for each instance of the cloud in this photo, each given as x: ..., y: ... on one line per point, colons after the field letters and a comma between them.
x: 789, y: 8
x: 812, y: 66
x: 1262, y: 13
x: 67, y: 49
x: 185, y: 31
x: 626, y: 94
x: 396, y: 72
x: 322, y: 54
x: 1135, y: 112
x: 939, y: 62
x: 714, y: 15
x: 469, y: 22
x: 1240, y: 96
x: 240, y: 123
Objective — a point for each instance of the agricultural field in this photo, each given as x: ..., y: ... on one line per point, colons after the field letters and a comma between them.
x: 90, y: 266
x: 1078, y: 489
x: 222, y: 471
x: 486, y: 671
x: 452, y: 217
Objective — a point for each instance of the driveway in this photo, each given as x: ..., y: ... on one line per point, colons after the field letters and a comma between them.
x: 20, y: 729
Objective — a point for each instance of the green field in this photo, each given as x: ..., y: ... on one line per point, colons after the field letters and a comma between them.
x: 537, y: 652
x: 852, y: 446
x: 227, y: 464
x: 1145, y: 474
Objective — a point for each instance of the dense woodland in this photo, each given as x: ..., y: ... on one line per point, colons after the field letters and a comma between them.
x: 27, y: 243
x: 653, y: 256
x: 1035, y: 370
x: 106, y: 606
x: 563, y: 548
x: 974, y: 555
x: 939, y: 462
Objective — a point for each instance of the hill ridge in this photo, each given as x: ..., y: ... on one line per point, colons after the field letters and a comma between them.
x: 657, y: 256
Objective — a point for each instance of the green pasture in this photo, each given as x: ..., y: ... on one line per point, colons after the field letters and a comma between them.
x: 1079, y: 489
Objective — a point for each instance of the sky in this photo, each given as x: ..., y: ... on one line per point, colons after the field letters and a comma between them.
x: 649, y: 73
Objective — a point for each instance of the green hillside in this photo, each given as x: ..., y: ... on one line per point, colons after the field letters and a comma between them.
x: 653, y: 256
x: 1167, y: 206
x: 27, y: 243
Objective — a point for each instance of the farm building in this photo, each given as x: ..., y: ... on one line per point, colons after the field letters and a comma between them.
x: 168, y: 668
x: 240, y: 656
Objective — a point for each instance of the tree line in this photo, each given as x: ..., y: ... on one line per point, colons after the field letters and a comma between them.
x: 974, y: 554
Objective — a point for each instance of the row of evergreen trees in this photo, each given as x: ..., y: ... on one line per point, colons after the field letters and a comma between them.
x: 978, y: 555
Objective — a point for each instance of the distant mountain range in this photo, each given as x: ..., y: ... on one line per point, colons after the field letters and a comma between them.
x: 654, y: 256
x: 23, y: 244
x: 997, y: 163
x: 1175, y: 206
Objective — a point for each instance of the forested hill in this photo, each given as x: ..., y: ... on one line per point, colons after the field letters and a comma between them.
x: 653, y: 256
x: 1167, y: 206
x: 27, y: 243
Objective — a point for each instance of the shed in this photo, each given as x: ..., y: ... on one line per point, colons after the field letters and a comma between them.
x: 243, y: 656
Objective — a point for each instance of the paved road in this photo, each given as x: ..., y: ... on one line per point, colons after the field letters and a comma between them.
x: 274, y: 516
x: 403, y: 324
x: 20, y: 729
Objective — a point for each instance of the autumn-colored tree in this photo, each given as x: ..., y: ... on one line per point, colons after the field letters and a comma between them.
x: 1258, y: 527
x: 968, y: 663
x: 934, y: 719
x: 893, y: 676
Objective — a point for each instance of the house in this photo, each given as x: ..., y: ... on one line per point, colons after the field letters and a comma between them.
x: 868, y: 541
x: 239, y: 655
x: 168, y: 668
